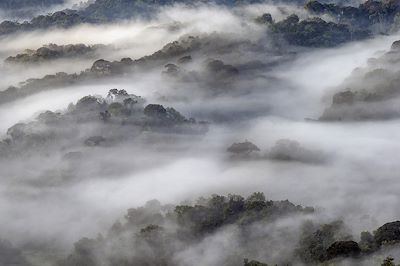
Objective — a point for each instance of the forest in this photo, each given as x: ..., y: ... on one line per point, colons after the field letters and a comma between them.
x: 199, y: 133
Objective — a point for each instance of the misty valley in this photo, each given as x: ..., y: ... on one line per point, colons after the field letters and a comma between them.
x: 199, y: 133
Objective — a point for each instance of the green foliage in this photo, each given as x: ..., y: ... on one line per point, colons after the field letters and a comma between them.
x: 142, y: 217
x: 315, y: 240
x: 389, y: 261
x: 22, y: 4
x: 117, y: 109
x: 381, y: 14
x: 220, y: 210
x: 112, y: 118
x: 243, y: 148
x: 388, y: 233
x: 60, y: 19
x: 367, y: 242
x: 315, y: 32
x: 155, y: 234
x: 346, y: 248
x: 265, y: 19
x: 107, y: 10
x: 254, y: 263
x: 52, y: 52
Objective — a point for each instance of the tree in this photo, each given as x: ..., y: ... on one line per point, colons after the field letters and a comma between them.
x: 367, y: 242
x: 253, y: 263
x: 265, y: 19
x: 388, y: 233
x: 243, y: 148
x: 155, y: 111
x: 389, y: 261
x: 343, y: 249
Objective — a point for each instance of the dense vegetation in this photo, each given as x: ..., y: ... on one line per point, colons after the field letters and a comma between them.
x: 352, y: 23
x: 380, y: 13
x: 284, y: 150
x: 53, y: 52
x: 155, y: 234
x: 120, y: 138
x: 372, y: 93
x: 316, y: 32
x: 99, y: 11
x: 215, y: 72
x: 21, y: 4
x: 107, y: 10
x: 95, y: 121
x: 60, y: 19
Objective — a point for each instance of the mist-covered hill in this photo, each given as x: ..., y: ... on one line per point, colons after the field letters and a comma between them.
x: 199, y: 133
x: 21, y: 4
x: 374, y: 16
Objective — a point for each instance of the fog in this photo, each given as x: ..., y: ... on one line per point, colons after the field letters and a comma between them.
x: 48, y: 201
x: 129, y: 39
x: 25, y: 10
